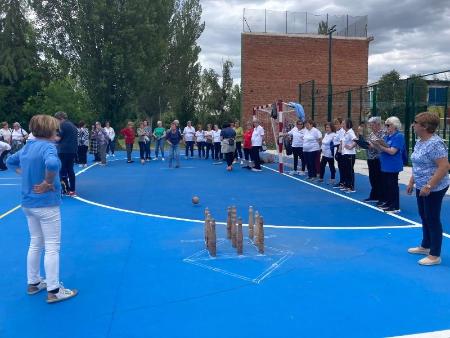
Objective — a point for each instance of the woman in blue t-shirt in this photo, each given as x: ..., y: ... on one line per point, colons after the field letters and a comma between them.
x: 39, y: 166
x: 391, y: 160
x: 430, y: 176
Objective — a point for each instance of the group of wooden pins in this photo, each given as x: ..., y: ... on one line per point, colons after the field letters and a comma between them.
x: 234, y: 231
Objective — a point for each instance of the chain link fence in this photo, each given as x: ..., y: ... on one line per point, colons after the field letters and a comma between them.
x: 404, y: 98
x: 285, y: 22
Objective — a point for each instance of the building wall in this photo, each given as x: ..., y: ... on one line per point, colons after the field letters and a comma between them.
x: 274, y: 65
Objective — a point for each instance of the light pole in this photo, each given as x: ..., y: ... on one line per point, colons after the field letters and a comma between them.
x: 330, y: 88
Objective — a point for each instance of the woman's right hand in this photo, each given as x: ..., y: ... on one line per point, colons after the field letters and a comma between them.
x: 410, y: 188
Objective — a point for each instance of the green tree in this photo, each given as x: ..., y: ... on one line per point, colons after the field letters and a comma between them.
x: 323, y: 28
x: 116, y: 48
x: 391, y: 95
x: 21, y: 71
x: 183, y: 68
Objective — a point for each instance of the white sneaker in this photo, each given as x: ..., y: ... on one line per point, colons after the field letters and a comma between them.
x: 292, y: 172
x: 301, y: 173
x: 258, y: 170
x: 33, y: 289
x: 80, y: 166
x: 162, y: 159
x: 61, y: 295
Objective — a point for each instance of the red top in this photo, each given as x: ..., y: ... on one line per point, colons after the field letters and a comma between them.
x: 129, y: 135
x: 248, y: 139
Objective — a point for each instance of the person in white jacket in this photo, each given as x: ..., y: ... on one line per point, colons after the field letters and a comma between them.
x: 328, y: 150
x: 4, y: 150
x: 110, y: 148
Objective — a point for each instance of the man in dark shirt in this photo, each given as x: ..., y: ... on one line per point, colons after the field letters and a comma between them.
x: 67, y: 149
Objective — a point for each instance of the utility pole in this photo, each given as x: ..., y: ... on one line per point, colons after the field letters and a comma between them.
x: 330, y: 86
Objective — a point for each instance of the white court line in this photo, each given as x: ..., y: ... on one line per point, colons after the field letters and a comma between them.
x: 8, y: 184
x: 433, y: 334
x: 10, y: 211
x: 9, y: 178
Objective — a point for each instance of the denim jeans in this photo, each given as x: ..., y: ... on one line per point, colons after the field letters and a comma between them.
x: 159, y: 144
x: 44, y: 225
x: 111, y: 147
x: 430, y: 213
x: 174, y: 153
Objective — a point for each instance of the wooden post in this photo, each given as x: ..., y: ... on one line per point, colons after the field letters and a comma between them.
x: 233, y: 226
x: 261, y: 235
x: 229, y: 223
x: 240, y: 238
x: 213, y: 238
x: 250, y: 223
x: 256, y: 228
x: 206, y: 226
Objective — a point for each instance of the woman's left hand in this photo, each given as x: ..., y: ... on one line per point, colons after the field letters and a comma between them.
x: 425, y: 191
x: 43, y: 187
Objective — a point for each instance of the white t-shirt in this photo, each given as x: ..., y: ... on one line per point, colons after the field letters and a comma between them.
x: 18, y: 135
x: 4, y: 146
x: 189, y: 133
x: 297, y: 137
x: 208, y: 135
x: 326, y: 149
x: 110, y: 132
x: 6, y: 134
x: 200, y: 136
x: 216, y: 135
x: 338, y: 136
x: 311, y: 139
x: 257, y: 136
x: 348, y: 139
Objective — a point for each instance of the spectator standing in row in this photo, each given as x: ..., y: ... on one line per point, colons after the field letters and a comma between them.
x: 200, y: 140
x: 297, y: 133
x: 5, y: 133
x: 174, y: 137
x: 338, y: 155
x: 247, y: 145
x: 148, y: 141
x: 67, y: 151
x: 228, y: 144
x: 328, y: 153
x: 239, y: 138
x: 391, y: 160
x: 41, y: 199
x: 102, y: 139
x: 112, y: 139
x: 83, y: 144
x: 311, y: 148
x: 216, y: 141
x: 4, y: 150
x: 348, y: 157
x: 129, y: 136
x: 189, y: 135
x: 18, y: 137
x: 373, y: 161
x: 431, y: 180
x: 160, y: 137
x: 209, y: 141
x: 257, y: 142
x: 142, y: 141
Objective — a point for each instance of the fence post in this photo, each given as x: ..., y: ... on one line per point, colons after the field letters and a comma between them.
x: 313, y: 98
x: 349, y: 104
x: 445, y: 113
x: 286, y: 22
x: 360, y: 103
x: 306, y: 31
x: 407, y: 113
x: 265, y: 20
x: 374, y: 101
x: 346, y: 30
x: 413, y: 111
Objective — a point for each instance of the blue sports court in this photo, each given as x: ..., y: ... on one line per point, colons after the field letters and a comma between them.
x: 132, y: 244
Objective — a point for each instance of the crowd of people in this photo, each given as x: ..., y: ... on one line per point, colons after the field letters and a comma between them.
x: 46, y: 157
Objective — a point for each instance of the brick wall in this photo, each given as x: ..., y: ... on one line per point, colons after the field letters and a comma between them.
x: 274, y: 65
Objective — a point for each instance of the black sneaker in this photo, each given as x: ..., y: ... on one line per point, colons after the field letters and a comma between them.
x: 381, y: 204
x: 367, y: 200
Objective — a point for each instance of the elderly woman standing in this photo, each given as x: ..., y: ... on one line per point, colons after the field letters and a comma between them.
x: 228, y: 146
x: 373, y: 161
x: 391, y: 158
x: 39, y: 165
x: 5, y: 133
x: 18, y: 137
x: 348, y: 156
x: 102, y: 138
x: 311, y: 147
x: 430, y: 175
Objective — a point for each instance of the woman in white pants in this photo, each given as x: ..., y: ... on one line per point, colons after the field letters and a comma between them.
x: 39, y: 165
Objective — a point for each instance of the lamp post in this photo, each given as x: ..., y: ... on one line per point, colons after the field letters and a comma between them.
x: 330, y: 88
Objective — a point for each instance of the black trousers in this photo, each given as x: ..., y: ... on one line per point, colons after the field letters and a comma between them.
x: 189, y: 146
x: 255, y: 157
x: 82, y: 154
x: 229, y: 158
x: 67, y: 174
x: 142, y: 150
x: 310, y: 158
x: 247, y: 153
x: 430, y: 213
x: 375, y: 178
x: 238, y: 151
x: 338, y: 158
x: 298, y: 154
x: 348, y: 173
x: 209, y: 147
x: 217, y: 154
x: 2, y: 159
x: 201, y: 149
x: 323, y: 163
x: 111, y: 147
x: 391, y: 190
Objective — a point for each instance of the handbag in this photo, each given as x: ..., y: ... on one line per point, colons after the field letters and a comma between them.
x: 231, y: 141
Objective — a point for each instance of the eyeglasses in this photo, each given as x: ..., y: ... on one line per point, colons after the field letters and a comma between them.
x: 415, y: 122
x: 387, y: 124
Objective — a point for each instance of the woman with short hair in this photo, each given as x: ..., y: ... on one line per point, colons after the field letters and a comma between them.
x: 148, y: 141
x: 39, y: 166
x: 209, y: 141
x: 200, y: 140
x: 328, y: 153
x: 18, y: 137
x: 311, y: 147
x: 239, y: 139
x: 431, y: 180
x: 228, y: 144
x: 5, y: 133
x: 83, y: 144
x: 216, y: 142
x: 257, y: 142
x: 102, y: 139
x: 297, y: 133
x: 112, y: 139
x: 348, y: 156
x: 391, y: 160
x: 159, y: 134
x: 373, y: 161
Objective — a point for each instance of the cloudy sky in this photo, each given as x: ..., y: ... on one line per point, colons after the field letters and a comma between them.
x: 411, y: 36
